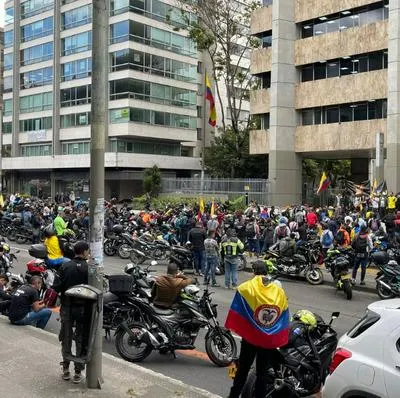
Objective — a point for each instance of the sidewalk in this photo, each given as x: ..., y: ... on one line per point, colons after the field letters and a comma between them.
x: 29, y: 368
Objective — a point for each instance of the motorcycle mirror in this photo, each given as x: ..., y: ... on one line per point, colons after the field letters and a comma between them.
x: 335, y: 315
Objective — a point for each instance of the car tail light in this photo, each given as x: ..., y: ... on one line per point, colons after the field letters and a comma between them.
x: 340, y: 355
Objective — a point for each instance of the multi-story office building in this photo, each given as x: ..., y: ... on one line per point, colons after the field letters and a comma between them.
x: 155, y: 96
x: 330, y: 81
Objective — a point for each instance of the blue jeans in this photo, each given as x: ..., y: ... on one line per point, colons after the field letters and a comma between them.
x: 211, y: 265
x: 56, y: 262
x: 254, y: 245
x: 36, y: 318
x: 231, y: 271
x: 199, y: 257
x: 357, y: 262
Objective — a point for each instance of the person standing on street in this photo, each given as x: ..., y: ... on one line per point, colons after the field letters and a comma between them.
x: 74, y: 272
x: 197, y: 236
x: 231, y: 246
x: 361, y: 245
x: 259, y: 314
x: 211, y: 248
x: 27, y: 308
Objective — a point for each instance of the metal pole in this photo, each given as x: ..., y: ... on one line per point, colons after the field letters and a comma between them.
x: 99, y: 126
x: 203, y: 138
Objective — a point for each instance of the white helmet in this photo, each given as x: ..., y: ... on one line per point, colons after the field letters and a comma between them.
x: 191, y: 290
x: 128, y: 269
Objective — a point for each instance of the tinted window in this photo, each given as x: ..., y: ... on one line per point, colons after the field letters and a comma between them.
x: 307, y: 73
x: 332, y: 69
x: 365, y: 323
x: 332, y: 114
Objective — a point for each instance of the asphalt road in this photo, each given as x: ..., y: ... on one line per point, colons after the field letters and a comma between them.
x: 193, y: 367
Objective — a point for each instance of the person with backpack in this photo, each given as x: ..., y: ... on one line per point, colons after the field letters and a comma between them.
x: 231, y: 246
x: 268, y: 235
x: 342, y: 237
x: 281, y: 231
x: 253, y: 236
x: 287, y: 246
x: 326, y: 238
x: 361, y: 245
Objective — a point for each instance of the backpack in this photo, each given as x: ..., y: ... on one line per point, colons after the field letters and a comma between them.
x: 327, y: 239
x: 340, y: 237
x: 282, y: 231
x: 360, y: 244
x: 250, y: 230
x: 180, y: 222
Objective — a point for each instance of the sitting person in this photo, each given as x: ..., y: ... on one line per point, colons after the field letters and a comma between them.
x: 287, y: 246
x: 5, y: 297
x: 55, y: 256
x: 167, y: 288
x: 27, y: 308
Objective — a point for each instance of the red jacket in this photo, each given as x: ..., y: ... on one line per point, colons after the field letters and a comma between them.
x: 311, y: 218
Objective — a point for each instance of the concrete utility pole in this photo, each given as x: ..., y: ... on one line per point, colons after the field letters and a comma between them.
x: 379, y: 158
x: 99, y: 126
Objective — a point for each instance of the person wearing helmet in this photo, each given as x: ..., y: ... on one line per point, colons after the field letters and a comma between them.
x: 281, y: 231
x: 71, y: 273
x: 167, y: 288
x: 59, y: 224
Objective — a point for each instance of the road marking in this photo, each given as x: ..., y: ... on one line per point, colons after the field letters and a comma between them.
x: 19, y: 248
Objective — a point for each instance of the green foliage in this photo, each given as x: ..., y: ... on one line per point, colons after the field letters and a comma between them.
x: 152, y: 181
x: 228, y: 157
x: 337, y: 169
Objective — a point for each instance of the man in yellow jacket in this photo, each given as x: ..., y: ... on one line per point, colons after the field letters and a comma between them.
x: 391, y: 203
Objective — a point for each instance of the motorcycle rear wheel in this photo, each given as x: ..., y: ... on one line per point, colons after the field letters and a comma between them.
x: 11, y: 234
x: 384, y: 293
x: 124, y: 251
x: 221, y: 347
x: 125, y: 344
x: 137, y: 258
x: 314, y: 276
x: 20, y: 239
x: 109, y: 249
x: 348, y: 290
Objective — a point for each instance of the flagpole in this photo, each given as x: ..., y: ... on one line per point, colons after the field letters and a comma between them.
x: 203, y: 138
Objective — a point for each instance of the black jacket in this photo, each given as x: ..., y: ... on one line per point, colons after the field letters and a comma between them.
x: 197, y: 236
x: 74, y: 272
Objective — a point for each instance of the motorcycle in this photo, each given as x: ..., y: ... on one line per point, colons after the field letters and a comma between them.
x: 388, y: 276
x: 302, y: 365
x: 117, y: 305
x: 304, y: 262
x: 337, y: 262
x: 166, y: 330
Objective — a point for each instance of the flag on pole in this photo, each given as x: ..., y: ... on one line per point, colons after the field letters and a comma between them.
x: 201, y: 207
x: 323, y: 183
x: 212, y: 120
x: 212, y: 208
x: 381, y: 188
x: 1, y: 201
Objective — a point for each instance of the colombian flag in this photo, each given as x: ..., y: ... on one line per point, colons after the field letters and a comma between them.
x: 209, y: 97
x: 259, y: 314
x: 324, y: 183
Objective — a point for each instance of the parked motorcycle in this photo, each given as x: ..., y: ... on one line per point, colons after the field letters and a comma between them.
x: 302, y: 263
x: 167, y: 330
x: 302, y: 365
x: 388, y: 276
x: 337, y: 262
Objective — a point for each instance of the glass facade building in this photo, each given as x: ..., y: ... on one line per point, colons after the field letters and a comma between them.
x: 153, y: 94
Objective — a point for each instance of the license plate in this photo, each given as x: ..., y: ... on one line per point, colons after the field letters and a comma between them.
x: 232, y: 371
x: 345, y: 277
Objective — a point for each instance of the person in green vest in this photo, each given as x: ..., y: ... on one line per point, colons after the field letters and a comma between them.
x: 60, y: 225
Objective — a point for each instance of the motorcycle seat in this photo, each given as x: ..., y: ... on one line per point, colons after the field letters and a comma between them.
x: 109, y: 298
x: 162, y: 311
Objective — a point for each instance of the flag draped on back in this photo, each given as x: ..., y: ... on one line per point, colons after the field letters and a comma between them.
x: 323, y: 183
x: 259, y: 314
x: 212, y: 120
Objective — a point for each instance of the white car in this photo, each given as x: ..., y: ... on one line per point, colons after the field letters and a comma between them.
x: 366, y: 363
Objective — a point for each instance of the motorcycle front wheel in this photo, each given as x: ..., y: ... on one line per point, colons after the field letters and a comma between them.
x: 124, y: 251
x: 132, y: 349
x: 137, y: 258
x: 383, y: 292
x: 314, y: 276
x: 11, y: 234
x: 221, y: 346
x: 109, y: 249
x: 348, y: 290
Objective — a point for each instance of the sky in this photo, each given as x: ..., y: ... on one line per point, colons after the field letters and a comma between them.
x: 2, y: 12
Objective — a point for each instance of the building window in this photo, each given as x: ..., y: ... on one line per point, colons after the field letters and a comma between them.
x: 34, y: 7
x: 8, y: 84
x: 76, y: 96
x: 41, y: 123
x: 8, y: 61
x: 373, y: 109
x: 152, y: 92
x: 153, y: 148
x: 76, y: 17
x: 345, y: 20
x: 266, y: 39
x: 39, y: 53
x: 41, y: 28
x: 75, y: 148
x: 7, y: 107
x: 75, y: 120
x: 6, y: 151
x: 78, y: 69
x: 37, y: 102
x: 9, y: 16
x: 36, y: 78
x: 345, y: 66
x: 36, y: 150
x: 7, y: 127
x: 77, y: 43
x: 8, y: 38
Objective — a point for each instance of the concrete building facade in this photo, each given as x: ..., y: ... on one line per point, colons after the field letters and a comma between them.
x: 329, y: 77
x: 155, y: 96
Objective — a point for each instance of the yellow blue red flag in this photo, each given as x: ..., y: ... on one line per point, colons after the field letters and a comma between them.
x: 324, y: 183
x: 259, y: 314
x: 212, y: 120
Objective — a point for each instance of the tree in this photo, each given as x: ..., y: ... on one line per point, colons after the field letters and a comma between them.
x: 228, y: 157
x: 152, y: 182
x: 337, y: 169
x: 222, y: 30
